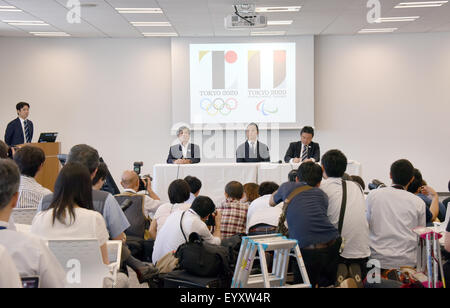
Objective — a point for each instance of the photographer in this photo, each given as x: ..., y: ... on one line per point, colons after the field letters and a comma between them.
x: 193, y: 220
x: 130, y: 182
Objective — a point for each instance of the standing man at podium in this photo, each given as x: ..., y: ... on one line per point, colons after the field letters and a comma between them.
x: 304, y: 150
x: 20, y: 130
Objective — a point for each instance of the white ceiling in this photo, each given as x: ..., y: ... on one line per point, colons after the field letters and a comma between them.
x: 206, y: 17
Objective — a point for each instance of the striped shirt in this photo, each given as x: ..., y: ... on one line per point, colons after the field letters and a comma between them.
x: 234, y: 217
x: 30, y: 193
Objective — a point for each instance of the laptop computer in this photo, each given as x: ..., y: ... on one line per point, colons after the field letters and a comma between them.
x: 47, y: 137
x: 30, y: 282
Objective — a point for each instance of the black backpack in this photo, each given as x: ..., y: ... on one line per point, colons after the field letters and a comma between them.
x: 203, y: 259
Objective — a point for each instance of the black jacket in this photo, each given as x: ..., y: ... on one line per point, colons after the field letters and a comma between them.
x: 295, y: 149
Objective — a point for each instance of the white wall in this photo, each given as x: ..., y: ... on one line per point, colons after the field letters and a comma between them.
x: 378, y: 98
x: 113, y: 94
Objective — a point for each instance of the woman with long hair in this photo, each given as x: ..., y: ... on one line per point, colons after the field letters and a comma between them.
x: 71, y: 214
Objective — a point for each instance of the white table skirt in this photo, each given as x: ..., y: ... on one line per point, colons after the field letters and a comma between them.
x: 214, y: 176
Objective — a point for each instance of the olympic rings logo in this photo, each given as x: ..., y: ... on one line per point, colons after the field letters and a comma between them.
x: 218, y: 105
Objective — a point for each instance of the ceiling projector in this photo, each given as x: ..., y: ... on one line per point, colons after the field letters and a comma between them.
x: 245, y: 17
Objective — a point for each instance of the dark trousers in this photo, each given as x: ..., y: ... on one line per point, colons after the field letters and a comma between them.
x: 361, y: 262
x: 321, y: 265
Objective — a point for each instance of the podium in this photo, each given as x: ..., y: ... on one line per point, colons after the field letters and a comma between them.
x: 47, y: 176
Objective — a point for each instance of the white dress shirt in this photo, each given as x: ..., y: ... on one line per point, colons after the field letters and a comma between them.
x: 170, y: 237
x: 32, y: 257
x: 252, y: 151
x: 191, y: 198
x: 184, y: 149
x: 355, y: 230
x: 22, y: 121
x: 165, y: 210
x: 30, y: 193
x: 260, y: 212
x: 150, y: 205
x: 9, y: 277
x: 301, y: 152
x: 392, y: 214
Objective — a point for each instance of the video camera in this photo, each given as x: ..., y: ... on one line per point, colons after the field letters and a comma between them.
x: 137, y: 166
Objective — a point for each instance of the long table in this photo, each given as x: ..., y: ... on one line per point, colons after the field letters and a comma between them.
x: 214, y: 176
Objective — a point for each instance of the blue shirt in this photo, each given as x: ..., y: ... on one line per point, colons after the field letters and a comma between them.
x: 428, y: 201
x: 307, y: 215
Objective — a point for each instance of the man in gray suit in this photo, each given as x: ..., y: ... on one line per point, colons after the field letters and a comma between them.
x: 252, y: 151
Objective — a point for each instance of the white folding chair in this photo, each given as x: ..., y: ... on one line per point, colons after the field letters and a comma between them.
x: 83, y: 263
x: 23, y: 216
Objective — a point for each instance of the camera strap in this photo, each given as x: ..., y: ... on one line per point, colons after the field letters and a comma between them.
x: 181, y: 227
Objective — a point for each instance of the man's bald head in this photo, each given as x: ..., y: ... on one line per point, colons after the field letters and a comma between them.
x: 130, y: 180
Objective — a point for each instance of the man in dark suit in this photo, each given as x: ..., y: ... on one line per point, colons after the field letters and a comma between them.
x: 252, y: 151
x: 304, y: 150
x: 184, y: 152
x: 20, y: 130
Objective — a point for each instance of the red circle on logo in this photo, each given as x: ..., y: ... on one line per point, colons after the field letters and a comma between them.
x: 230, y: 56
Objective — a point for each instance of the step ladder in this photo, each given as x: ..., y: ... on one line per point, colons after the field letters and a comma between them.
x: 429, y: 260
x: 282, y: 248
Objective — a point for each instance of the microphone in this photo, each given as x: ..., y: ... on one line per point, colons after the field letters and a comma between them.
x: 126, y: 204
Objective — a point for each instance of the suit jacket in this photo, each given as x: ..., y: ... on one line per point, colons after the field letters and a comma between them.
x: 295, y: 149
x: 14, y: 132
x: 176, y: 152
x: 243, y: 153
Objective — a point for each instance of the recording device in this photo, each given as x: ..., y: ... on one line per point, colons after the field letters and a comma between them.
x: 211, y: 222
x: 375, y: 184
x: 137, y: 166
x: 126, y: 204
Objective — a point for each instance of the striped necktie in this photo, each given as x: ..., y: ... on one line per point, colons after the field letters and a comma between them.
x: 305, y: 153
x: 27, y: 132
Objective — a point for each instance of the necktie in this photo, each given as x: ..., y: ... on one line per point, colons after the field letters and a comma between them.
x: 305, y: 153
x: 27, y: 132
x: 253, y: 154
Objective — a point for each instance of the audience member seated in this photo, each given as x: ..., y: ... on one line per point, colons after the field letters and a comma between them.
x: 130, y: 182
x: 100, y: 177
x: 71, y: 214
x: 170, y: 236
x: 359, y: 180
x: 30, y: 161
x: 4, y: 149
x: 10, y: 277
x: 105, y: 204
x: 179, y: 192
x: 355, y: 229
x: 233, y: 210
x: 195, y: 185
x: 308, y: 223
x: 447, y: 248
x: 250, y: 192
x: 261, y: 217
x: 30, y: 254
x: 418, y: 188
x: 447, y: 200
x: 392, y: 213
x: 292, y: 176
